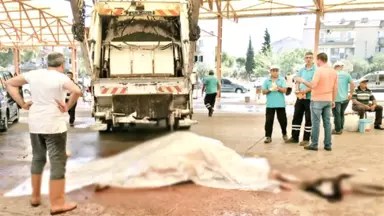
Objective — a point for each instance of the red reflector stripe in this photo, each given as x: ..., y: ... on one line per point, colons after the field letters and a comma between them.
x: 169, y: 89
x: 178, y: 89
x: 173, y: 12
x: 114, y: 90
x: 123, y: 91
x: 161, y: 13
x: 105, y: 90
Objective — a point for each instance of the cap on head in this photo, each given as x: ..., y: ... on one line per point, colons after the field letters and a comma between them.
x: 364, y: 81
x: 274, y: 67
x: 69, y: 73
x: 338, y: 63
x: 211, y: 72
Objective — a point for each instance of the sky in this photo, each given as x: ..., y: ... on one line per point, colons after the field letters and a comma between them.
x: 236, y: 35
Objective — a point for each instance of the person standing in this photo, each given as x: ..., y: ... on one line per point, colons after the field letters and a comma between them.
x: 361, y: 99
x: 342, y: 98
x: 324, y: 92
x: 71, y: 111
x: 289, y: 81
x: 47, y: 126
x: 303, y: 103
x: 210, y: 86
x: 275, y: 88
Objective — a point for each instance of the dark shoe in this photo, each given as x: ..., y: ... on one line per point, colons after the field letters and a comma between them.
x: 304, y: 143
x: 337, y: 132
x: 328, y: 148
x: 309, y: 147
x: 71, y: 124
x: 378, y: 127
x: 268, y: 140
x: 210, y: 112
x: 285, y: 138
x: 291, y: 140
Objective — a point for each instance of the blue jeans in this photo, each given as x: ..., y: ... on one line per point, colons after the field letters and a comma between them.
x: 321, y: 109
x: 338, y: 114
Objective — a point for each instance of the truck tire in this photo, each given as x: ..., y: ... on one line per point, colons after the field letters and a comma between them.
x: 109, y: 127
x: 17, y: 116
x: 4, y: 126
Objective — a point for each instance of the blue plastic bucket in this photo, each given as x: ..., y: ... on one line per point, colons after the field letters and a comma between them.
x: 365, y: 125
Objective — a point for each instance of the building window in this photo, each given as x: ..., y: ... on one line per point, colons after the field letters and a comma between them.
x: 381, y: 33
x: 335, y: 51
x: 201, y: 58
x: 349, y: 52
x: 196, y: 58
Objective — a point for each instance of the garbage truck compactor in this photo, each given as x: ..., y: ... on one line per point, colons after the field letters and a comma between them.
x: 141, y: 55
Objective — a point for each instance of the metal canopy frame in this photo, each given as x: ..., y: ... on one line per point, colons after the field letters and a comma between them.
x: 26, y: 24
x: 235, y: 9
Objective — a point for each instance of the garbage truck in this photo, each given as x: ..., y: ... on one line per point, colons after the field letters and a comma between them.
x: 141, y: 55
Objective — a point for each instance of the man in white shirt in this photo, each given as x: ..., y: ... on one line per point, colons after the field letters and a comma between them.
x: 47, y: 126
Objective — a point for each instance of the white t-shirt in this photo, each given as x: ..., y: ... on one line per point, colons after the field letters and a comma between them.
x: 44, y: 115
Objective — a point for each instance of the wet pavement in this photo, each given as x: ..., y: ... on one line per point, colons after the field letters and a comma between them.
x: 352, y: 151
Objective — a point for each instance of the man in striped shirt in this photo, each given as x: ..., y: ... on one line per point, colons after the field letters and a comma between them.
x: 361, y: 99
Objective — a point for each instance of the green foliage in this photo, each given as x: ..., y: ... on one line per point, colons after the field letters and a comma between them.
x: 250, y: 59
x: 266, y: 46
x: 289, y: 61
x: 202, y: 69
x: 378, y: 62
x: 360, y: 67
x: 6, y: 58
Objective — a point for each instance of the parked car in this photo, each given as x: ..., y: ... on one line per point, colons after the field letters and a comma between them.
x: 9, y: 110
x: 230, y: 86
x: 375, y: 81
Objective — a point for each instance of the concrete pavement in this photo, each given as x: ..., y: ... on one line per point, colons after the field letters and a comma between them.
x: 352, y: 151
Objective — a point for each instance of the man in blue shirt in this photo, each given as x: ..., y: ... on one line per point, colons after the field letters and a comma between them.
x: 342, y: 98
x: 211, y: 87
x: 275, y: 88
x: 303, y: 102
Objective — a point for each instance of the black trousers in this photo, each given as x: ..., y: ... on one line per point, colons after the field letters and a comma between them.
x: 302, y: 107
x: 270, y: 117
x: 72, y: 113
x: 210, y: 100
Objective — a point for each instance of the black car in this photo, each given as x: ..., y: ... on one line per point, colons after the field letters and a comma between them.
x: 9, y: 110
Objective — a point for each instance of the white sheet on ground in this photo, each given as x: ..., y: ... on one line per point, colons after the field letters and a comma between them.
x: 174, y: 158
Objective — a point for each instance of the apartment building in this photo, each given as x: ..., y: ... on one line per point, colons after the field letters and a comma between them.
x: 346, y: 39
x: 206, y: 50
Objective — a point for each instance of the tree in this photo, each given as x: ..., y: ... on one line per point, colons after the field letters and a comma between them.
x: 202, y: 69
x: 377, y: 62
x: 290, y: 60
x: 6, y: 58
x: 360, y: 67
x: 266, y: 46
x: 250, y: 59
x: 240, y: 62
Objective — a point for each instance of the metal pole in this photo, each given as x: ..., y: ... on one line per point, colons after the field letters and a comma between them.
x: 16, y: 60
x: 219, y: 48
x: 74, y: 63
x: 317, y: 33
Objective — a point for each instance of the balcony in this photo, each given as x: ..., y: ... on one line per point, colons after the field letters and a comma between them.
x: 336, y: 41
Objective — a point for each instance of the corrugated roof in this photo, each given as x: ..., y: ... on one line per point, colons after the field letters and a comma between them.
x: 235, y: 9
x: 24, y: 23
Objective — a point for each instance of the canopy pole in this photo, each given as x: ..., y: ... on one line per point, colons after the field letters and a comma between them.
x: 219, y: 49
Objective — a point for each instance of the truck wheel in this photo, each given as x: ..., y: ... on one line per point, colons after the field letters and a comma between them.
x: 17, y: 116
x: 109, y: 127
x: 4, y: 126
